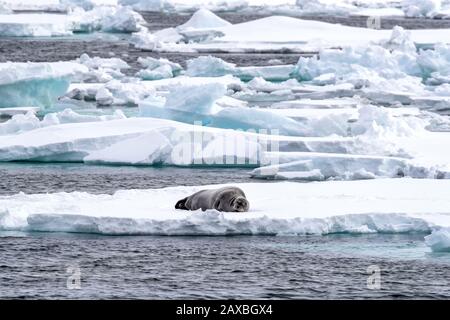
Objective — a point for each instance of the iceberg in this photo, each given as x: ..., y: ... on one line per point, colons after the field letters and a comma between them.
x: 439, y: 240
x: 35, y: 84
x: 384, y: 205
x: 203, y: 19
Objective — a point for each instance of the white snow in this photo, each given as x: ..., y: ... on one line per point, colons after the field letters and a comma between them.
x: 401, y: 205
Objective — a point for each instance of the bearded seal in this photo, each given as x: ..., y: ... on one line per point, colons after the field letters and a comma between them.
x: 228, y: 199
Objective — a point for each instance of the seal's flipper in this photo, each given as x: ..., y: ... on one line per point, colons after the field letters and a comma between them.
x: 181, y: 204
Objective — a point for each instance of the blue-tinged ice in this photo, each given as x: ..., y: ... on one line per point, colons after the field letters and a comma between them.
x: 208, y: 66
x: 35, y: 84
x: 196, y: 103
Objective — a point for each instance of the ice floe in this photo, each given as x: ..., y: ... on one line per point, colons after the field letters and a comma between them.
x: 101, y: 70
x: 35, y: 84
x: 157, y: 69
x: 275, y: 34
x: 21, y: 122
x: 214, y: 67
x: 387, y: 206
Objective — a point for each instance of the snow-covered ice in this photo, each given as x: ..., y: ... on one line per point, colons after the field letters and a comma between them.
x: 99, y: 18
x: 275, y: 33
x: 157, y: 69
x: 393, y: 206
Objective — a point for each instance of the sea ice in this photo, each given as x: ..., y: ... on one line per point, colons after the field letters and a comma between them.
x: 101, y: 70
x: 384, y: 205
x: 34, y: 25
x: 29, y: 121
x: 203, y: 19
x: 107, y: 19
x: 214, y: 67
x: 156, y: 69
x: 421, y: 8
x: 439, y: 240
x: 35, y: 84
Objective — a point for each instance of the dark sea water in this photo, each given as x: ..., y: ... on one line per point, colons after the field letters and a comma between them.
x: 41, y: 265
x: 36, y: 265
x: 49, y: 177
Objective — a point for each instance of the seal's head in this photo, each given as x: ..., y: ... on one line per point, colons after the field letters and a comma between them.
x: 240, y: 204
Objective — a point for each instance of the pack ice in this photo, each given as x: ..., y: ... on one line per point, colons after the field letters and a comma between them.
x: 98, y: 18
x: 208, y: 33
x: 384, y: 205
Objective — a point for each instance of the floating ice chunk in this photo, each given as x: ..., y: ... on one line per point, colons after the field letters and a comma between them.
x: 107, y: 19
x: 197, y: 99
x: 124, y: 20
x: 35, y: 84
x: 34, y: 25
x: 360, y: 66
x: 314, y: 166
x: 156, y: 69
x: 439, y: 240
x: 381, y: 122
x: 261, y: 84
x: 421, y: 8
x: 197, y: 103
x: 270, y: 73
x: 208, y: 66
x: 203, y: 19
x: 10, y: 112
x: 400, y: 40
x: 215, y: 67
x: 144, y: 40
x: 88, y: 4
x: 29, y: 121
x: 104, y: 97
x: 382, y: 205
x: 4, y: 8
x: 101, y: 69
x: 133, y: 91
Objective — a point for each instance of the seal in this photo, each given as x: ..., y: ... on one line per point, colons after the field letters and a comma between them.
x: 227, y: 199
